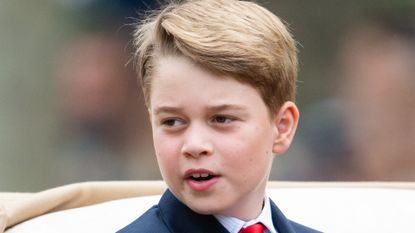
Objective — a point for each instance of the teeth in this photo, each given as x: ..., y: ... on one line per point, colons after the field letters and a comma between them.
x: 198, y: 175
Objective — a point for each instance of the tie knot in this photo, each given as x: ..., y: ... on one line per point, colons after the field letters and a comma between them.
x: 256, y: 228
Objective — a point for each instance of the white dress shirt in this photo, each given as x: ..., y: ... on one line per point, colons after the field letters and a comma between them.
x: 233, y: 225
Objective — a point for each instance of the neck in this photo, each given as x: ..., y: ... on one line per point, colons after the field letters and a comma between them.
x: 251, y: 207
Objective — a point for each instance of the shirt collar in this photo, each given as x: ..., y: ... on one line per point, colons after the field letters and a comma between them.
x: 233, y: 225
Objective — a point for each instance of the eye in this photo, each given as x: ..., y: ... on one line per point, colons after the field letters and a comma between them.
x: 221, y: 119
x: 172, y: 122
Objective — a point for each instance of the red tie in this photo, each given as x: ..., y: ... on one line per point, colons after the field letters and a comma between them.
x: 256, y: 228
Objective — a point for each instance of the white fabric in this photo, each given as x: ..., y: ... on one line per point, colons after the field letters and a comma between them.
x: 345, y: 210
x: 105, y: 217
x: 233, y: 225
x: 328, y: 209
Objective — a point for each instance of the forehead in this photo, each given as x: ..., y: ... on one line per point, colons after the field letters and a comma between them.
x: 177, y: 80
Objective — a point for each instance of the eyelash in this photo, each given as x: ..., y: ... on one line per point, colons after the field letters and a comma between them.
x: 222, y: 117
x: 217, y: 119
x: 170, y: 122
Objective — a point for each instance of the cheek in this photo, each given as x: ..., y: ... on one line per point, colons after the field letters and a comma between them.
x: 251, y: 142
x: 167, y: 150
x: 250, y: 150
x: 238, y: 153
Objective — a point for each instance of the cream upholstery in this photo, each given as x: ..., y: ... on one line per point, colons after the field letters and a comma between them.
x: 329, y: 207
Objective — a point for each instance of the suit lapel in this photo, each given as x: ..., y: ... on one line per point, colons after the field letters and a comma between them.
x: 281, y: 223
x: 180, y: 218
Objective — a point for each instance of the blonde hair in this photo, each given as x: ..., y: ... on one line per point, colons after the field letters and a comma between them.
x: 237, y: 38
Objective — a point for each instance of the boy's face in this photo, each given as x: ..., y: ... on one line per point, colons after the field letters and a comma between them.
x: 214, y: 139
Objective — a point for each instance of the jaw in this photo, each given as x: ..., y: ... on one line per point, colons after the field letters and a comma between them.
x: 224, y: 200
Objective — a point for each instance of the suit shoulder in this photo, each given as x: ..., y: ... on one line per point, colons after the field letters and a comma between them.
x: 303, y: 229
x: 150, y: 222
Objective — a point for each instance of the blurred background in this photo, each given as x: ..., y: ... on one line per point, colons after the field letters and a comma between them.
x: 71, y: 109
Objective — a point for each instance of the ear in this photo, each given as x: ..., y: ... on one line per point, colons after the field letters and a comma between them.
x: 286, y: 121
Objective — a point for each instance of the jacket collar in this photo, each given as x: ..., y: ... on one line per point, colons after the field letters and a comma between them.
x: 281, y: 223
x: 180, y: 218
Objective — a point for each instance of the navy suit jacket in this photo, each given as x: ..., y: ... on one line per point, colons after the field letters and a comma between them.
x: 172, y: 216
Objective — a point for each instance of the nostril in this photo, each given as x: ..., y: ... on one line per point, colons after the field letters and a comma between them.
x: 204, y: 153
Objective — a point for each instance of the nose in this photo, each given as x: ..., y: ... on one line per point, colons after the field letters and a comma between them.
x: 196, y: 142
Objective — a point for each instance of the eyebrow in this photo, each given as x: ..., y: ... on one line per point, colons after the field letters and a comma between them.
x: 166, y: 109
x: 223, y: 107
x: 214, y: 108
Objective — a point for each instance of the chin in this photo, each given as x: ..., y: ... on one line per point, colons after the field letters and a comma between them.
x: 205, y: 207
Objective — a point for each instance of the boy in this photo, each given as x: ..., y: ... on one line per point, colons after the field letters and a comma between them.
x: 219, y: 79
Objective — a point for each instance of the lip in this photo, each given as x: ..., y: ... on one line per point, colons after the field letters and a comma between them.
x: 190, y: 172
x: 200, y: 185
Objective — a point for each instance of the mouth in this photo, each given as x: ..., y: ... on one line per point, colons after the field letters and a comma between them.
x: 199, y: 175
x: 200, y: 179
